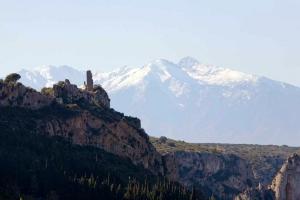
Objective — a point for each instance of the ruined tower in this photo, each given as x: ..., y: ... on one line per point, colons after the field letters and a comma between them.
x: 89, y: 81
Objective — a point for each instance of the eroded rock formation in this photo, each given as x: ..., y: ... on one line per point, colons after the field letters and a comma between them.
x: 286, y: 184
x: 65, y: 92
x: 222, y: 175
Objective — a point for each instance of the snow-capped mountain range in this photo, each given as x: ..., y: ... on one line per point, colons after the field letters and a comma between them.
x: 193, y: 101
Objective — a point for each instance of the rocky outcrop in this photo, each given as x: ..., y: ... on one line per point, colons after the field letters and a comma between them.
x: 85, y: 118
x: 69, y: 93
x: 15, y: 94
x: 221, y: 175
x: 286, y: 184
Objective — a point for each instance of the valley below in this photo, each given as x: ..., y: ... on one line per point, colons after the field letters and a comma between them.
x: 224, y: 170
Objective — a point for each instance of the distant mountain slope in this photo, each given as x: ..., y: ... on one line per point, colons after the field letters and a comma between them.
x: 195, y: 102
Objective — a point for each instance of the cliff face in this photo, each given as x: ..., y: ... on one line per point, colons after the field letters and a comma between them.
x: 85, y: 118
x: 115, y: 135
x: 222, y: 175
x: 286, y: 184
x: 263, y: 160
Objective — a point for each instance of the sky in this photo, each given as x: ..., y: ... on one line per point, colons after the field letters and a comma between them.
x: 258, y: 37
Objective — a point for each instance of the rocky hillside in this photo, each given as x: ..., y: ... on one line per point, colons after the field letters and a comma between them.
x: 34, y: 166
x: 226, y: 170
x: 221, y: 176
x: 65, y: 138
x: 83, y: 117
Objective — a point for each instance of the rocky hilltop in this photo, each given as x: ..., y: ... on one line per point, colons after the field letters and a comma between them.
x: 15, y: 94
x: 83, y: 117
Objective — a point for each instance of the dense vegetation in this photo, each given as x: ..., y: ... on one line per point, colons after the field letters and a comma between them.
x: 35, y: 166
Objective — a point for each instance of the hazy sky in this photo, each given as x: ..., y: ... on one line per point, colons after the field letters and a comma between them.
x: 257, y: 36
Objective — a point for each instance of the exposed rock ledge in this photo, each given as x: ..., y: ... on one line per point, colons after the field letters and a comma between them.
x: 222, y: 175
x: 15, y: 94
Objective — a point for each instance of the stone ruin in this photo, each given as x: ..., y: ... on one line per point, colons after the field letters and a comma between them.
x: 13, y: 93
x: 92, y: 94
x: 89, y: 84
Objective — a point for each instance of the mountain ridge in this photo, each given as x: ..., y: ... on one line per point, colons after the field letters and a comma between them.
x: 84, y: 117
x: 208, y: 103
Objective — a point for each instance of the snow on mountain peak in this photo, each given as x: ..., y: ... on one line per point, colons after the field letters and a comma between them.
x: 213, y: 75
x: 207, y: 102
x: 187, y: 71
x: 122, y: 78
x: 160, y: 70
